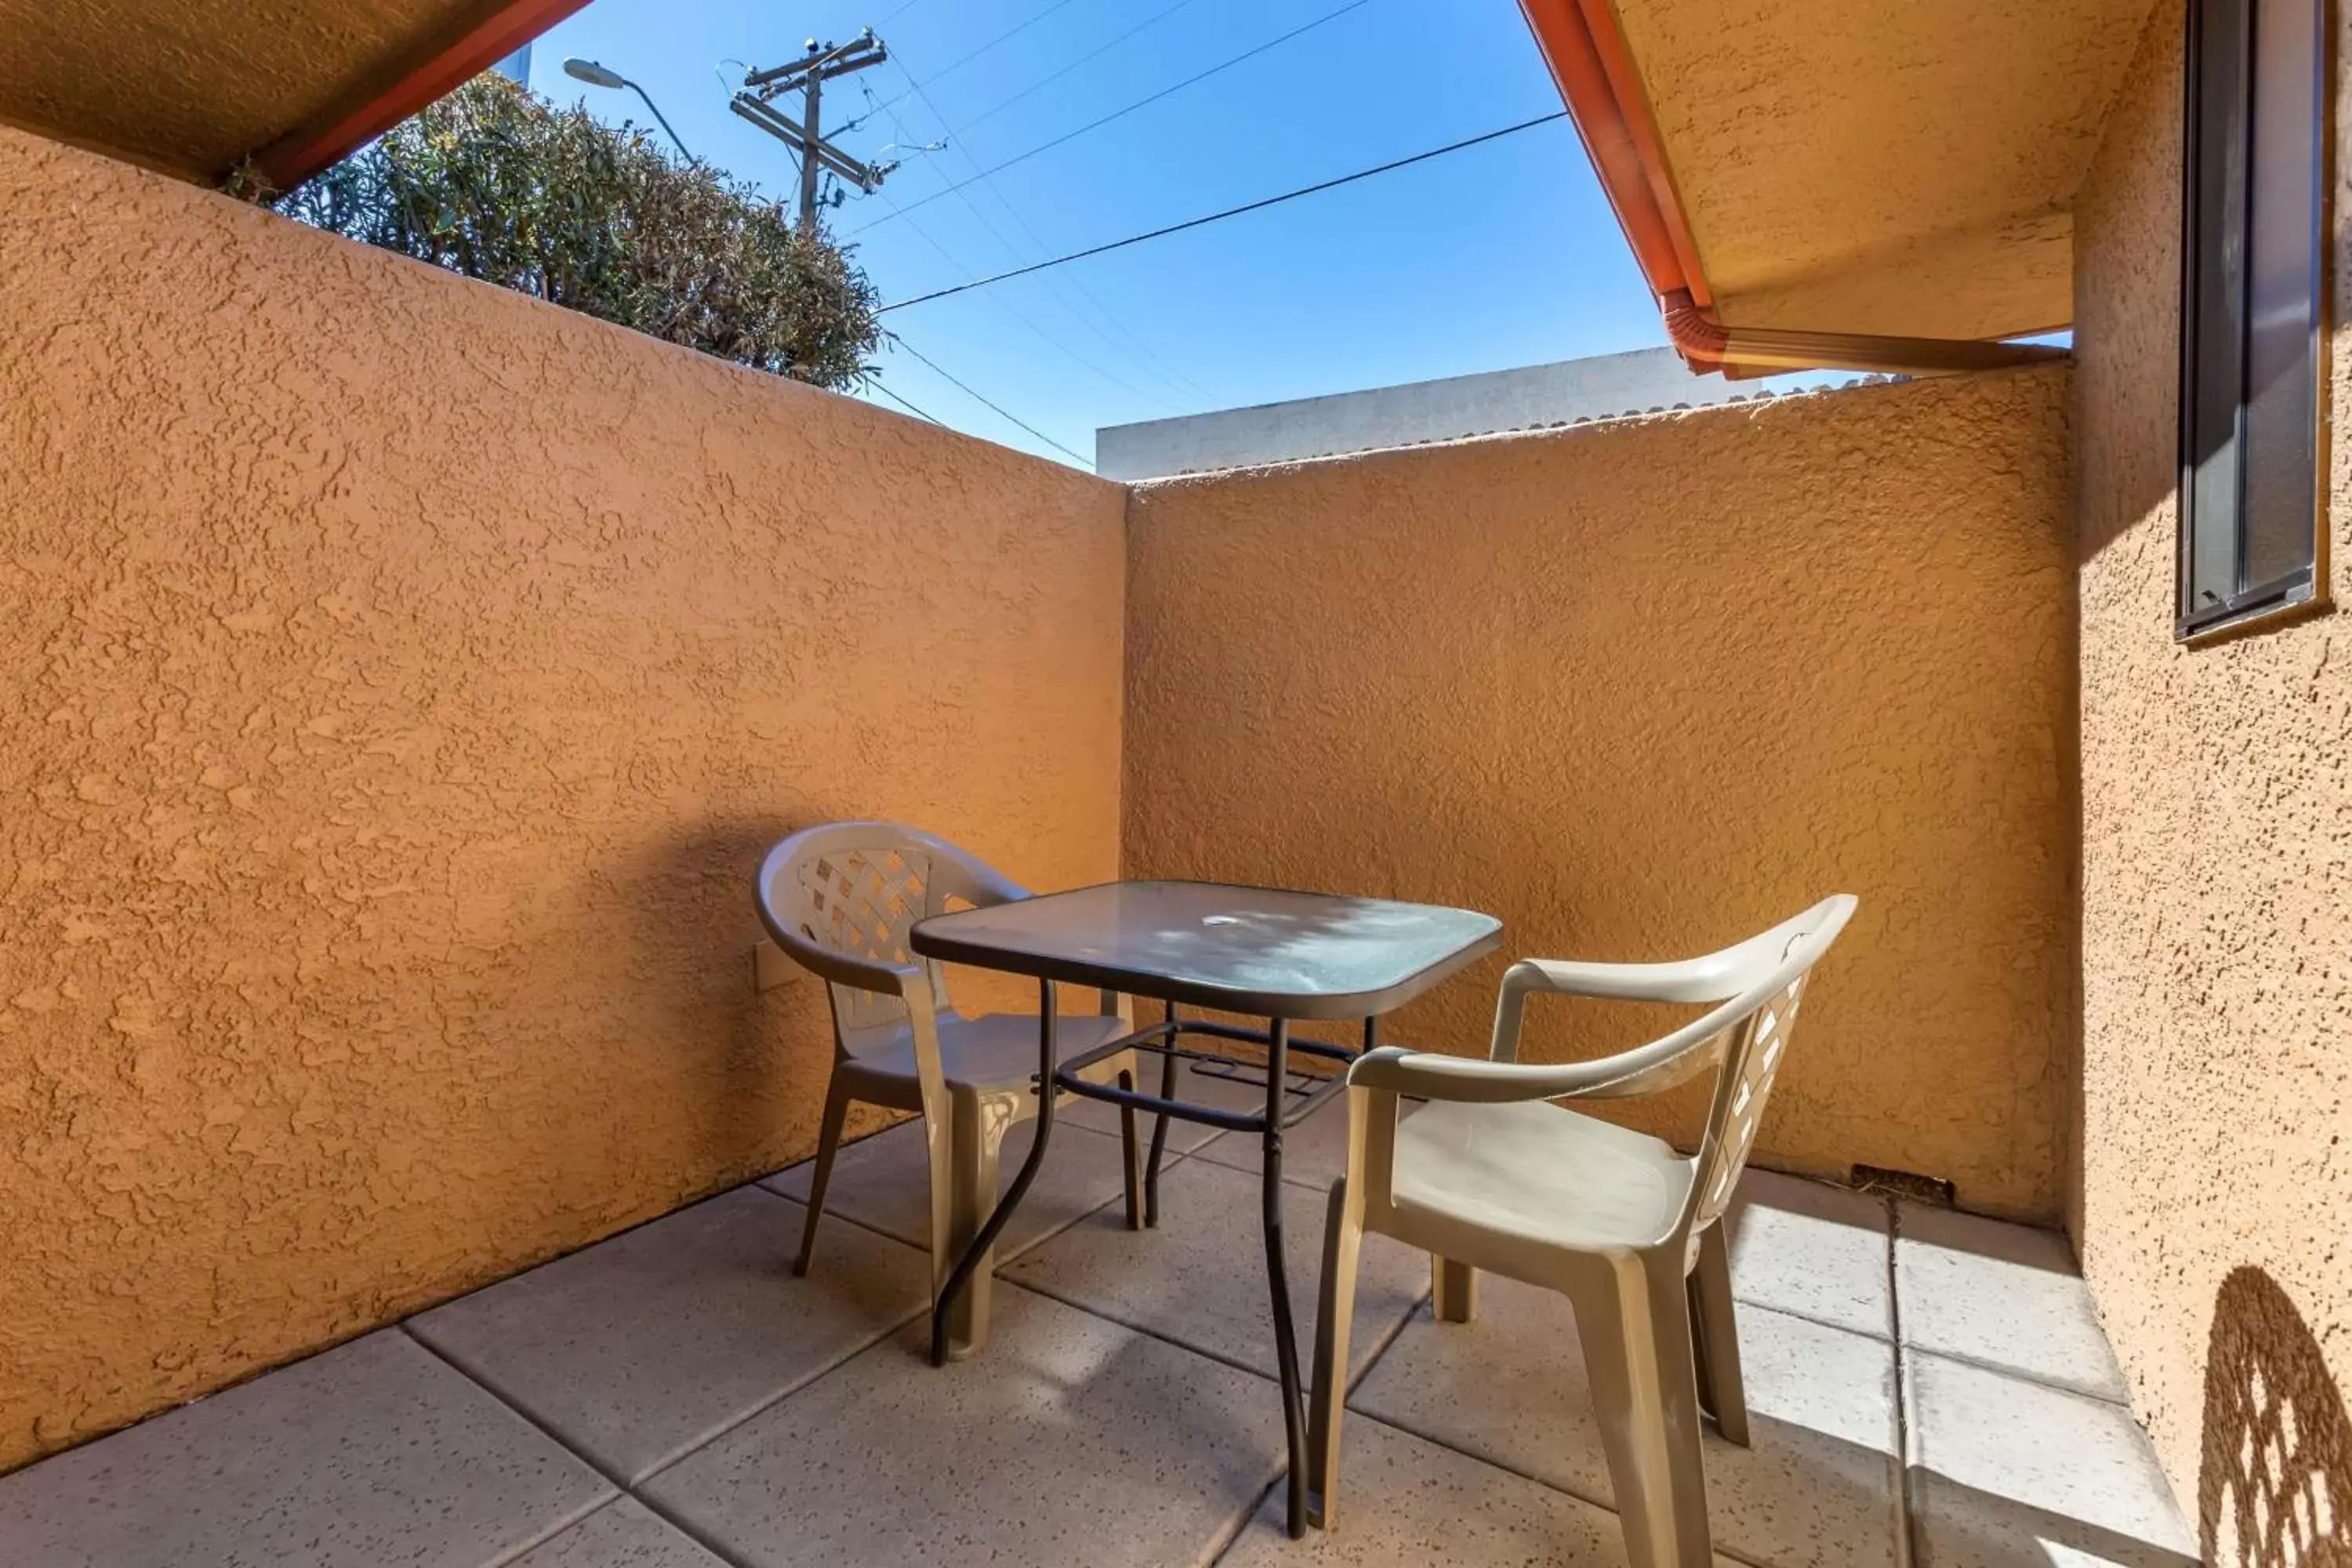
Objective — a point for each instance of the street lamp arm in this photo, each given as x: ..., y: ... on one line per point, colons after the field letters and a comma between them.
x: 666, y: 125
x: 596, y: 75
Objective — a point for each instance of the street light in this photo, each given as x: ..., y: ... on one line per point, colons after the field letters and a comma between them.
x: 595, y: 75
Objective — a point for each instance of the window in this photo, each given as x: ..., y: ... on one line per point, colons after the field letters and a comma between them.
x: 2253, y: 283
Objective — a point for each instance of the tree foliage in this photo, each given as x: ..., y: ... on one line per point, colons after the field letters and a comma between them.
x: 497, y: 184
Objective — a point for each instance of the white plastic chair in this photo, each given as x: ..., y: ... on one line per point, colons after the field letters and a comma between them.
x: 1490, y: 1175
x: 840, y: 899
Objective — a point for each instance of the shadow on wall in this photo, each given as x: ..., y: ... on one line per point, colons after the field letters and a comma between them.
x: 2274, y: 1488
x: 759, y: 1053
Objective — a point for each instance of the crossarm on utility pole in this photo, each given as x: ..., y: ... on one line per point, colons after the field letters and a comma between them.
x: 807, y: 75
x: 862, y: 175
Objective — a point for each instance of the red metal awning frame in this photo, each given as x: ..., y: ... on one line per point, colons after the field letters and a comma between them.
x: 492, y: 33
x: 1586, y: 50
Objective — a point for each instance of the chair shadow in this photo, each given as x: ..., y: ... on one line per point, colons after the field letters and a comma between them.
x: 2275, y: 1484
x: 750, y: 1067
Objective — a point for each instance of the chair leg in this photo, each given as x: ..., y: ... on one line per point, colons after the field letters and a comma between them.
x: 1131, y: 1162
x: 1335, y: 1317
x: 1721, y: 1390
x: 971, y: 1198
x: 1633, y: 1318
x: 1453, y: 1289
x: 828, y: 1141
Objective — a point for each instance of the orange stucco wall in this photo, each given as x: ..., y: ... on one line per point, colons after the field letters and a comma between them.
x: 1643, y: 687
x: 404, y: 678
x: 2215, y: 1178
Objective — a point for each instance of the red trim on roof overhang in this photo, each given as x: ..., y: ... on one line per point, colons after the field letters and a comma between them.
x: 1585, y: 50
x: 494, y: 33
x: 1587, y: 53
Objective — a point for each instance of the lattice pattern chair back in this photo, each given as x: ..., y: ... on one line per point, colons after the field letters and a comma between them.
x: 861, y: 902
x: 842, y: 900
x: 1760, y: 1042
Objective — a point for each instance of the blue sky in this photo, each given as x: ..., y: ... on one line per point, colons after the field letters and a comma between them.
x: 1497, y: 256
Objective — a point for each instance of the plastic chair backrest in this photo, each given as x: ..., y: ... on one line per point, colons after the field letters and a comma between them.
x: 842, y: 898
x: 1771, y: 972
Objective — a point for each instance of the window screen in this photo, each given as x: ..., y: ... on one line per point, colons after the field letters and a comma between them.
x: 2253, y: 287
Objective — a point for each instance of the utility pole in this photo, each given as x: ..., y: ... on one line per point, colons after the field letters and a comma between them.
x: 808, y: 76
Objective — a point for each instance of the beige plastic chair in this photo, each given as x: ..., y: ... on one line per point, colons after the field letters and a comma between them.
x: 839, y: 899
x: 1489, y: 1175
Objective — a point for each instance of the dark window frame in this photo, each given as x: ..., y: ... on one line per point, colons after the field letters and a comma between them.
x: 2303, y: 587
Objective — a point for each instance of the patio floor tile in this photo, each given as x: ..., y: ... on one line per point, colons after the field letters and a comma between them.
x: 374, y: 1452
x: 636, y: 1348
x: 1200, y: 1277
x: 2005, y: 1296
x: 1184, y: 1137
x: 1808, y: 1248
x: 1070, y: 1440
x: 2007, y: 1473
x: 885, y: 1183
x: 1818, y: 1487
x: 622, y: 1534
x: 1404, y: 1500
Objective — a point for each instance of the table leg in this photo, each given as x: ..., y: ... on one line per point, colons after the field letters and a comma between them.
x: 1285, y: 1340
x: 1160, y: 1127
x: 985, y: 1242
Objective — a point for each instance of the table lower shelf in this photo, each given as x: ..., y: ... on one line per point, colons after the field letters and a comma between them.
x: 1304, y: 1092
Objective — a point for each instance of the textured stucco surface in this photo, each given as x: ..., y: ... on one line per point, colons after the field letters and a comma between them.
x: 192, y: 86
x: 1864, y: 166
x: 403, y: 680
x: 1645, y: 688
x: 2216, y: 1162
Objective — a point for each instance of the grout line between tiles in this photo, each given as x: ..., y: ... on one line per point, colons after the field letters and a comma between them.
x: 1380, y: 1352
x: 1146, y: 1330
x: 1235, y: 1527
x: 1356, y: 1413
x: 1606, y: 1505
x: 544, y: 1430
x: 1005, y: 1257
x: 2017, y: 1375
x: 1906, y: 1549
x: 521, y: 1549
x: 1778, y: 1310
x: 621, y: 1487
x: 1219, y: 1550
x: 1229, y: 1534
x: 694, y: 1446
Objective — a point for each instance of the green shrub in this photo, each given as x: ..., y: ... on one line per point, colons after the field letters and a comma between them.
x: 497, y: 184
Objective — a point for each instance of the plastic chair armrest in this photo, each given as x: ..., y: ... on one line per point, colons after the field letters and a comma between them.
x: 1434, y: 1075
x: 1689, y: 980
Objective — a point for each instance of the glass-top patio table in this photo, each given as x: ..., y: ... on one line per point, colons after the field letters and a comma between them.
x: 1262, y: 952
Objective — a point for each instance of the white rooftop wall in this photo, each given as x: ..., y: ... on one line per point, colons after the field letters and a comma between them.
x: 1531, y: 398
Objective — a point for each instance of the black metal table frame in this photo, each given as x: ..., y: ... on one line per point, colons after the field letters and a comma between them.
x: 1164, y: 1040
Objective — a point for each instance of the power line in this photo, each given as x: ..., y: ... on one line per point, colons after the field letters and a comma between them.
x: 876, y: 384
x: 1229, y: 212
x: 1119, y: 113
x: 965, y: 59
x: 932, y: 240
x: 1156, y: 16
x: 999, y: 409
x: 1158, y: 366
x: 1023, y: 317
